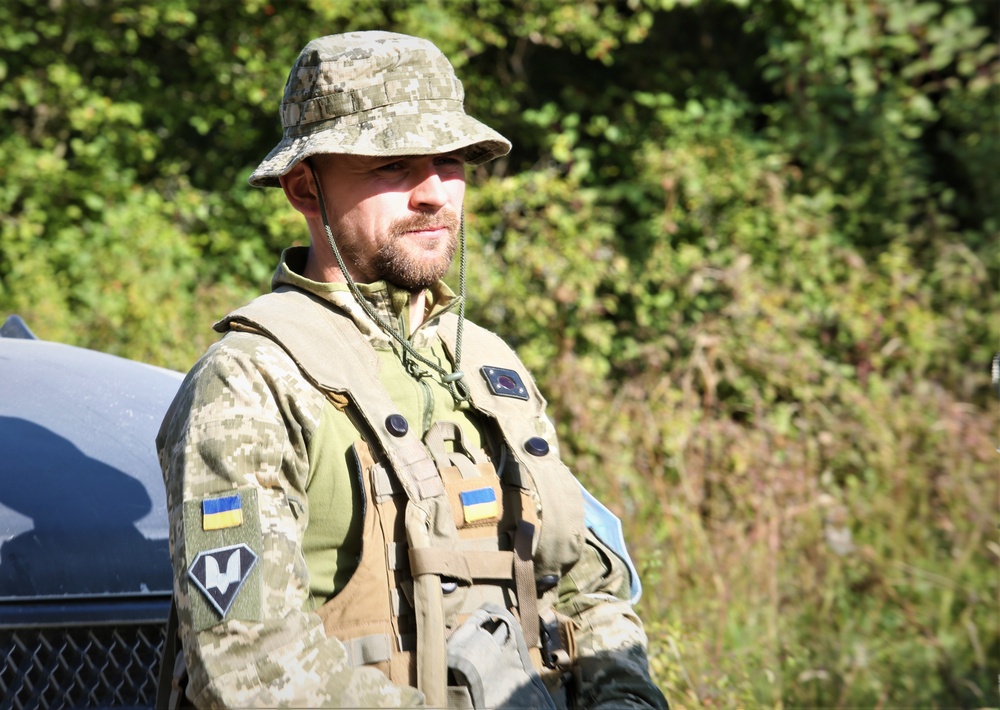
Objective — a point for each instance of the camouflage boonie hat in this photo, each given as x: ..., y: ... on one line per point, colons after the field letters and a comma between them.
x: 379, y: 94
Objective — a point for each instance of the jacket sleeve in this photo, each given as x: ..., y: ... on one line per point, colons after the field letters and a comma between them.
x: 612, y: 669
x: 235, y: 432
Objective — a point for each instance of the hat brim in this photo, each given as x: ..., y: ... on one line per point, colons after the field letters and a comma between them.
x: 385, y: 136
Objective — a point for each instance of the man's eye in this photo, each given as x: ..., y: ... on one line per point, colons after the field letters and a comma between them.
x: 390, y: 167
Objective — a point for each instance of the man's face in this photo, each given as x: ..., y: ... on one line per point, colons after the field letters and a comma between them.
x: 395, y: 219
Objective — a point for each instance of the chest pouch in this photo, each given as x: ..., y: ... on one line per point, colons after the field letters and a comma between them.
x: 494, y: 538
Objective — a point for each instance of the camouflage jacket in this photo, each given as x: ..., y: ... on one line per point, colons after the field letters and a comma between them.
x: 238, y: 448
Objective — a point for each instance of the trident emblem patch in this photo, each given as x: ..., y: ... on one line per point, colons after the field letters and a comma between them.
x: 220, y: 573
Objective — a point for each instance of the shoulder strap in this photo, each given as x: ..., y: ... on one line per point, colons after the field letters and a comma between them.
x: 333, y: 354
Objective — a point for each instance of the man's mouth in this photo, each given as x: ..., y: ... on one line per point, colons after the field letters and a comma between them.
x: 428, y: 231
x: 428, y: 226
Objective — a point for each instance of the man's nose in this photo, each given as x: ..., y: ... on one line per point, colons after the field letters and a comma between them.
x: 429, y: 190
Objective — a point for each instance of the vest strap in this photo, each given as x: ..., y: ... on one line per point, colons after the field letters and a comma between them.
x: 445, y: 563
x: 432, y: 675
x: 293, y: 318
x: 439, y: 433
x: 369, y: 650
x: 490, y: 565
x: 396, y: 556
x: 524, y: 582
x: 384, y: 485
x: 464, y: 566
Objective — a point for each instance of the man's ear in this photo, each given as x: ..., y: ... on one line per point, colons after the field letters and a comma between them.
x: 300, y: 189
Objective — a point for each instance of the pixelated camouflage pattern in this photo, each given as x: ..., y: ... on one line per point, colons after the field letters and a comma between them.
x: 246, y: 605
x: 378, y: 94
x: 229, y: 432
x: 612, y: 669
x: 244, y: 418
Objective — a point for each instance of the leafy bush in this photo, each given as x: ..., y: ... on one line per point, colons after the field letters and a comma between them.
x: 749, y: 250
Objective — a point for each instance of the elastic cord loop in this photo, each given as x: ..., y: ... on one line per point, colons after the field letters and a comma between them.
x: 458, y: 389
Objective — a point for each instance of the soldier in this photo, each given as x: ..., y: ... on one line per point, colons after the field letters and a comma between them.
x: 367, y: 505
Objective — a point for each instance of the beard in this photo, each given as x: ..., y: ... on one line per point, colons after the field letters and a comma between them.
x: 411, y: 263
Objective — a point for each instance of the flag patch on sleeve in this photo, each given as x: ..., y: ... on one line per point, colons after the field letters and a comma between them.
x: 220, y: 513
x: 479, y: 504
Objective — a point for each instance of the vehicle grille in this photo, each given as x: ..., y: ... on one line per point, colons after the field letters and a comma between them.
x: 82, y: 667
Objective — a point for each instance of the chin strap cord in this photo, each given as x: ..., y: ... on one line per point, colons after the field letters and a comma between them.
x: 452, y: 380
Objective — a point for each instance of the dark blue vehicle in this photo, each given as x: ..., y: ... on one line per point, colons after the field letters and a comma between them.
x: 85, y: 577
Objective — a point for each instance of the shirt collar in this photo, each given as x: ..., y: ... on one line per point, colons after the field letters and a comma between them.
x: 390, y: 302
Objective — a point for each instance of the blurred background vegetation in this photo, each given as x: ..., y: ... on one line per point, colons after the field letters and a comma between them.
x: 750, y: 250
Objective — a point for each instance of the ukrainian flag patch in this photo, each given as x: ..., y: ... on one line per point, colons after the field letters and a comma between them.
x: 220, y: 513
x: 479, y: 504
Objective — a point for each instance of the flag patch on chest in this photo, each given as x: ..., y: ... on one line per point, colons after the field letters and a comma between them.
x: 220, y: 513
x: 479, y: 504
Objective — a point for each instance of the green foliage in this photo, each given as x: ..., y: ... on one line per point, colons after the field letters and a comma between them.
x: 750, y: 251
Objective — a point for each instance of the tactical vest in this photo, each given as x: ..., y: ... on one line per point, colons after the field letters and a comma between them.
x: 442, y: 532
